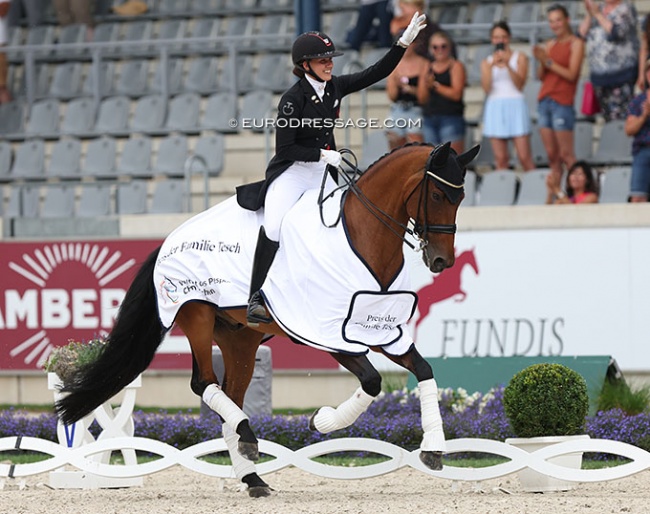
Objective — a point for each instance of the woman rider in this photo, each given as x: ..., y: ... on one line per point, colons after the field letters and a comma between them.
x: 304, y: 141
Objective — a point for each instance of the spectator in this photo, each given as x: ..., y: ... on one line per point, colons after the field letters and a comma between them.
x: 643, y: 53
x: 581, y: 186
x: 405, y: 112
x: 637, y: 125
x: 31, y: 9
x: 404, y: 11
x: 440, y: 92
x: 612, y: 53
x: 505, y: 115
x: 5, y: 96
x: 368, y: 11
x: 560, y: 61
x: 69, y: 12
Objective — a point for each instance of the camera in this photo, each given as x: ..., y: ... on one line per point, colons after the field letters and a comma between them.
x: 499, y: 46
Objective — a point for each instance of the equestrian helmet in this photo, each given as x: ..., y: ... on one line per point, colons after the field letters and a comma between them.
x: 312, y: 45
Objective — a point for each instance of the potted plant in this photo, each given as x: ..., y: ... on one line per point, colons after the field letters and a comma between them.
x: 546, y: 404
x: 65, y: 360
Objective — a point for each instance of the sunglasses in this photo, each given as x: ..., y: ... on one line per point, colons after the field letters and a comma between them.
x: 439, y: 47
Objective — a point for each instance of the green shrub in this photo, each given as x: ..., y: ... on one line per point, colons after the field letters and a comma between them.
x: 65, y: 360
x: 546, y: 400
x: 619, y: 395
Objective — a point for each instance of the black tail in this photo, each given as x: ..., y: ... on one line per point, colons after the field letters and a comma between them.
x: 129, y: 351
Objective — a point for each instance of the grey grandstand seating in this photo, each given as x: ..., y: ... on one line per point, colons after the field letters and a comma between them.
x: 71, y: 34
x: 169, y: 7
x: 65, y: 159
x: 168, y: 197
x: 201, y: 7
x: 349, y: 62
x: 532, y: 190
x: 24, y: 201
x: 531, y: 92
x: 95, y: 200
x: 105, y: 82
x: 470, y: 189
x: 170, y: 159
x: 79, y: 118
x: 474, y: 69
x: 371, y: 57
x: 523, y: 12
x: 497, y: 188
x: 12, y: 117
x: 219, y: 110
x: 29, y: 160
x: 6, y: 154
x: 174, y: 77
x: 257, y: 105
x: 483, y: 13
x: 106, y: 33
x: 374, y: 147
x: 212, y: 149
x: 59, y: 201
x: 41, y: 35
x: 238, y: 26
x: 614, y: 146
x: 273, y: 73
x: 615, y: 185
x: 538, y: 150
x: 41, y: 82
x: 113, y: 116
x: 452, y: 14
x: 133, y: 78
x: 101, y: 155
x: 244, y: 74
x: 172, y: 29
x: 149, y: 114
x: 276, y: 25
x: 131, y: 197
x: 339, y: 24
x: 274, y: 5
x: 202, y: 75
x: 183, y: 114
x: 208, y: 28
x: 136, y: 157
x: 583, y: 137
x: 134, y: 31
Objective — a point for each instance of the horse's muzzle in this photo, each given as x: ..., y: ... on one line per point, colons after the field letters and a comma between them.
x: 439, y: 264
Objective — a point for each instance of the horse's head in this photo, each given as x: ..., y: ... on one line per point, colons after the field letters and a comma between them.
x: 433, y: 204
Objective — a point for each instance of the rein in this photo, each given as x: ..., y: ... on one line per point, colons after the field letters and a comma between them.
x: 419, y: 230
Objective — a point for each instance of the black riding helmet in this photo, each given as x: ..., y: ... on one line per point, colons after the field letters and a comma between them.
x: 312, y: 45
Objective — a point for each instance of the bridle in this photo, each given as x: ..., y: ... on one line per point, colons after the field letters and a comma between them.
x: 420, y: 231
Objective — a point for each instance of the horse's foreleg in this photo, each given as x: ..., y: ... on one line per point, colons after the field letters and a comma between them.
x: 433, y: 442
x: 328, y: 419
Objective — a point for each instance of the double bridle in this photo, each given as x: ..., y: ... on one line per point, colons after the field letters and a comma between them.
x: 419, y: 230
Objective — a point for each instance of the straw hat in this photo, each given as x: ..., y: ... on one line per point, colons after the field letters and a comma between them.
x: 131, y: 8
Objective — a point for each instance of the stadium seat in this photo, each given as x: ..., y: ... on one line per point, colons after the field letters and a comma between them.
x: 184, y: 113
x: 106, y: 80
x: 207, y: 28
x: 100, y: 158
x: 483, y: 13
x: 257, y: 106
x: 65, y: 159
x: 6, y: 154
x: 474, y: 69
x: 149, y: 114
x: 171, y: 156
x: 202, y: 7
x: 276, y: 25
x: 133, y: 78
x: 113, y: 116
x: 470, y: 189
x: 95, y: 200
x: 41, y: 35
x: 12, y: 118
x: 131, y: 197
x: 172, y: 7
x: 24, y: 201
x: 583, y: 139
x: 371, y: 57
x: 615, y: 185
x: 41, y: 83
x: 497, y: 188
x: 173, y: 29
x: 71, y: 34
x: 532, y: 187
x: 531, y: 92
x: 374, y: 147
x: 59, y: 201
x: 244, y: 74
x: 202, y: 75
x: 238, y: 26
x: 168, y: 197
x: 614, y: 145
x: 340, y: 22
x: 105, y: 33
x: 211, y: 149
x: 174, y: 77
x: 537, y: 148
x: 523, y: 12
x: 135, y: 160
x: 29, y: 160
x: 79, y: 118
x: 451, y: 15
x: 273, y: 73
x: 220, y: 109
x: 135, y: 31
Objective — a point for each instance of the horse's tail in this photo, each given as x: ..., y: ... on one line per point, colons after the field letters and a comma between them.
x: 130, y: 349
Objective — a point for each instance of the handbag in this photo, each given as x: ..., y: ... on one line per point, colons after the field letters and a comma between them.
x: 590, y: 105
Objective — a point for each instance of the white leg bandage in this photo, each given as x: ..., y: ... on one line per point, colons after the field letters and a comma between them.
x: 240, y: 465
x: 434, y: 436
x: 217, y: 400
x: 328, y: 419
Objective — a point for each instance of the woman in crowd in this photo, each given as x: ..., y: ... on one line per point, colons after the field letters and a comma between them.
x: 581, y: 186
x: 505, y: 115
x: 610, y: 30
x: 440, y: 92
x: 560, y: 61
x: 637, y: 125
x: 401, y: 87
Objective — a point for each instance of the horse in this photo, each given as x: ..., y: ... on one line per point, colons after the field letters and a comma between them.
x: 416, y: 183
x: 444, y: 286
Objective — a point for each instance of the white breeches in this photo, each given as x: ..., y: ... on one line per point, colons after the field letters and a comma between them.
x: 328, y: 419
x: 434, y: 436
x: 287, y: 189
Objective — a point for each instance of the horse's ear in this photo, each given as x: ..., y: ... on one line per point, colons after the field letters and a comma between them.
x: 468, y: 156
x: 441, y: 154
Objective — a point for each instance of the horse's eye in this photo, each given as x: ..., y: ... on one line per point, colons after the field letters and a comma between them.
x: 436, y: 196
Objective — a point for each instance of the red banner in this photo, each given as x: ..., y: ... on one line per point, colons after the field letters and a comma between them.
x: 59, y: 291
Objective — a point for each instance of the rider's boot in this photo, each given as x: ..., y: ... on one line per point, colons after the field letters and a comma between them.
x: 264, y: 255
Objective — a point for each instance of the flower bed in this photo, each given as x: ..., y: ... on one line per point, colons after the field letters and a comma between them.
x: 394, y: 417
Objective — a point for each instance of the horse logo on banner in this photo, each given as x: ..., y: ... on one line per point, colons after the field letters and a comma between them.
x: 445, y: 285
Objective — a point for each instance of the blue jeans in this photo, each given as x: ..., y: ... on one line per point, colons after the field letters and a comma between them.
x: 640, y: 182
x: 554, y: 115
x: 440, y: 129
x: 367, y: 14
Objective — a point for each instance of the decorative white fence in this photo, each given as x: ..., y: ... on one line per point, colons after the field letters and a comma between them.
x: 82, y: 458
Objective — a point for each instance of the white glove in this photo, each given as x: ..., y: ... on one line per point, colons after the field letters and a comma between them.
x: 418, y: 22
x: 331, y: 157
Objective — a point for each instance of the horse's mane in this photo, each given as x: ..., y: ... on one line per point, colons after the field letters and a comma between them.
x: 391, y: 152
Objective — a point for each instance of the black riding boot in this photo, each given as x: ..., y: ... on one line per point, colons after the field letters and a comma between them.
x: 264, y: 255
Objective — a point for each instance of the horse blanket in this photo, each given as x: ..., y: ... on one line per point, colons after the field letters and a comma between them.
x: 319, y: 290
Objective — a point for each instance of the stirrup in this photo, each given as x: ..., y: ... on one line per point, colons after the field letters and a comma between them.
x: 256, y: 312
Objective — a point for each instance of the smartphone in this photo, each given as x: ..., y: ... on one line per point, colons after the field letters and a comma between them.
x: 499, y: 46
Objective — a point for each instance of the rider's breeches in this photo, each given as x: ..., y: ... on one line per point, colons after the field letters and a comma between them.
x: 287, y: 189
x: 328, y: 419
x: 434, y: 436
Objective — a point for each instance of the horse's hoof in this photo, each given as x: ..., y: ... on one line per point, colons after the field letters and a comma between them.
x: 249, y: 451
x: 312, y: 424
x: 432, y: 460
x: 259, y: 491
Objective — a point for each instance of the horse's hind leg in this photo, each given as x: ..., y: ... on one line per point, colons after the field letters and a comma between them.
x: 328, y: 419
x: 197, y: 321
x: 433, y: 442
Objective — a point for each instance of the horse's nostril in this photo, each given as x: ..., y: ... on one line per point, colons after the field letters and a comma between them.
x: 439, y: 264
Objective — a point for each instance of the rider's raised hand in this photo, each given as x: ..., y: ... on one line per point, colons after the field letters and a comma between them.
x: 331, y: 157
x: 418, y: 22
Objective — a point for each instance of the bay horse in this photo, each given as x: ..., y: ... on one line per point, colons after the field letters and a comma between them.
x: 415, y: 183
